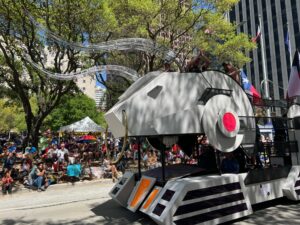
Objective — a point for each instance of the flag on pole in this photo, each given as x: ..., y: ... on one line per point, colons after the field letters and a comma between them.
x: 287, y: 41
x: 248, y: 87
x: 258, y: 34
x: 101, y: 76
x: 294, y: 82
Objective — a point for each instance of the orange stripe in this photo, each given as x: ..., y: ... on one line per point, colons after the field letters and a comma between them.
x: 151, y: 198
x: 144, y: 184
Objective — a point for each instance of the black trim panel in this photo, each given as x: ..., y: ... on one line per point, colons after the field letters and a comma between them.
x: 298, y: 192
x: 208, y: 203
x: 168, y: 195
x: 297, y: 184
x: 211, y: 191
x: 158, y: 210
x: 115, y: 191
x: 123, y: 181
x: 212, y: 215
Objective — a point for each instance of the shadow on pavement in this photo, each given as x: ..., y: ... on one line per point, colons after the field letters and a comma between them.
x: 279, y: 211
x: 108, y: 213
x: 114, y: 214
x: 17, y: 221
x: 90, y: 220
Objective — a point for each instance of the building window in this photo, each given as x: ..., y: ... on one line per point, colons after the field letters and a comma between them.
x: 232, y: 16
x: 283, y: 11
x: 255, y: 6
x: 297, y: 39
x: 295, y: 19
x: 83, y: 81
x: 83, y: 89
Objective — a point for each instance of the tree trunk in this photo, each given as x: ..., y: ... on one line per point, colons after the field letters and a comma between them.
x: 28, y: 119
x: 35, y: 137
x: 151, y: 63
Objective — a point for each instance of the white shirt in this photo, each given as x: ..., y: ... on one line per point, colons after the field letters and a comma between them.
x: 61, y: 153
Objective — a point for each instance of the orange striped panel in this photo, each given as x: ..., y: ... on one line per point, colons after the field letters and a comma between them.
x: 151, y: 198
x: 144, y: 184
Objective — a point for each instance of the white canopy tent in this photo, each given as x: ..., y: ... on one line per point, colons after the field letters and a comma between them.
x: 83, y: 126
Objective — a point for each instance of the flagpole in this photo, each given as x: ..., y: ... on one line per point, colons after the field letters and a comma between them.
x: 262, y: 44
x: 265, y: 76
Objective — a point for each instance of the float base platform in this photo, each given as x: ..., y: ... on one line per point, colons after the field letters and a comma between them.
x: 189, y: 197
x: 175, y: 171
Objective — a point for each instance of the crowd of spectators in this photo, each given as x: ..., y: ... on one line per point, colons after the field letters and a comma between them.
x: 70, y: 159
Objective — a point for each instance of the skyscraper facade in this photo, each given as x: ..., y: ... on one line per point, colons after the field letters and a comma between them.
x: 280, y: 29
x: 100, y: 98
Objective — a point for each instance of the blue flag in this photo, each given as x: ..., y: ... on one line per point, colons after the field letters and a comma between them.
x: 104, y: 76
x: 287, y: 41
x: 248, y: 86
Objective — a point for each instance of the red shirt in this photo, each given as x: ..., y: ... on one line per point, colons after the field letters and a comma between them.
x: 135, y: 147
x: 7, y: 180
x: 103, y: 148
x: 175, y: 148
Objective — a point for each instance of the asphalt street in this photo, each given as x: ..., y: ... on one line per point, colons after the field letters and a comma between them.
x: 89, y: 203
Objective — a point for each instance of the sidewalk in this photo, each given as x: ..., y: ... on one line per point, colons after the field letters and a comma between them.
x: 56, y: 194
x: 19, y: 189
x: 89, y: 203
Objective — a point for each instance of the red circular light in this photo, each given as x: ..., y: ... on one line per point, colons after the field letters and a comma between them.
x: 229, y: 122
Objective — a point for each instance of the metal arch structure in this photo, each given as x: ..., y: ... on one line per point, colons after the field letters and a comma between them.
x: 117, y: 70
x: 124, y: 44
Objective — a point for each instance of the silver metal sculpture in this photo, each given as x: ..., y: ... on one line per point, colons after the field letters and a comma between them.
x: 173, y: 104
x: 122, y: 71
x: 124, y: 44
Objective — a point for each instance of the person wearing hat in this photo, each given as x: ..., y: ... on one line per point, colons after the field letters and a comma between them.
x: 12, y: 148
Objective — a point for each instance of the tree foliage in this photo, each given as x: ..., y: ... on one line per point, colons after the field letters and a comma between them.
x: 182, y: 26
x: 72, y: 109
x: 19, y: 36
x: 12, y: 117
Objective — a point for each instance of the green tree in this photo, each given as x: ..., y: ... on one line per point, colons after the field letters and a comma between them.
x: 183, y: 26
x: 71, y: 109
x: 19, y: 36
x: 166, y: 22
x: 12, y: 117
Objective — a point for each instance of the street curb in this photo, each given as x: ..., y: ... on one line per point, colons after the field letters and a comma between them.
x: 51, y: 204
x: 22, y: 189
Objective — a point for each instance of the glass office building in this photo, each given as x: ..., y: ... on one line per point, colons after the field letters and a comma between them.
x: 278, y: 17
